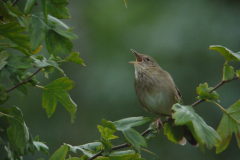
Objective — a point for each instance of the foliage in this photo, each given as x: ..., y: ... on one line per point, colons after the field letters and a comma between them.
x: 25, y: 33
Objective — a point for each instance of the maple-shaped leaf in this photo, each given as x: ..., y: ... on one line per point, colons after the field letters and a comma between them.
x: 230, y: 123
x: 55, y: 8
x: 73, y: 57
x: 203, y: 92
x: 204, y: 134
x: 57, y: 91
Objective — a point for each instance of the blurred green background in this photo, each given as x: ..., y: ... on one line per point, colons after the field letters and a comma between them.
x: 177, y: 34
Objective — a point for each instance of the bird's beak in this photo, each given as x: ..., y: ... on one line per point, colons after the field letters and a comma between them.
x: 139, y: 58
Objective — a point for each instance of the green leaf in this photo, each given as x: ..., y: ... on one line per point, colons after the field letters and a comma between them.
x: 74, y: 158
x: 135, y: 138
x: 238, y: 73
x: 185, y: 115
x: 56, y: 42
x: 75, y: 148
x: 17, y: 131
x: 120, y: 153
x: 126, y: 123
x: 228, y: 54
x: 106, y: 133
x: 203, y: 92
x: 66, y: 34
x: 174, y: 133
x: 37, y: 31
x: 107, y: 147
x: 61, y: 153
x: 3, y: 93
x: 41, y: 147
x: 29, y: 5
x: 20, y: 62
x: 228, y: 72
x: 12, y: 70
x: 52, y: 21
x: 4, y: 101
x: 4, y: 12
x: 93, y: 147
x: 153, y: 130
x: 7, y: 43
x: 230, y: 123
x: 56, y: 8
x: 122, y: 156
x: 11, y: 31
x: 73, y: 57
x: 13, y: 11
x: 3, y: 56
x: 29, y: 147
x: 84, y: 157
x: 108, y: 124
x: 57, y: 91
x: 44, y: 63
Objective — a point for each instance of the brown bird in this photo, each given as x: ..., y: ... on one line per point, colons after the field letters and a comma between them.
x: 156, y: 91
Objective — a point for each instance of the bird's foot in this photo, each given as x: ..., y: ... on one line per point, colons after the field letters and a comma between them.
x: 158, y: 123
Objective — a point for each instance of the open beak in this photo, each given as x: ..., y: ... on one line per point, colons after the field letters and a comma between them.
x: 139, y: 58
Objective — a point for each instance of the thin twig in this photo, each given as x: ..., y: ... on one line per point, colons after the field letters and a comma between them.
x: 219, y: 84
x: 14, y: 2
x: 149, y: 130
x: 12, y: 5
x: 24, y: 81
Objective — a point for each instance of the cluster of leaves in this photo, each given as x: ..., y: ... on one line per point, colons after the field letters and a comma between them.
x: 107, y: 130
x: 204, y: 134
x: 175, y: 127
x: 24, y: 34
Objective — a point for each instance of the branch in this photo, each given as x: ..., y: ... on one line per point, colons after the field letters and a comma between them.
x: 149, y: 130
x: 217, y: 86
x: 24, y: 80
x: 14, y: 2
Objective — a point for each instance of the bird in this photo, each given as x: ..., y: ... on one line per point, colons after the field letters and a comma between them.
x: 157, y: 91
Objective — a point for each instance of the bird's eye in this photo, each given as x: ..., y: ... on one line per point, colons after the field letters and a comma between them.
x: 147, y: 59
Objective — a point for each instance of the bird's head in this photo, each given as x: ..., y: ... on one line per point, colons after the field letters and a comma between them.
x: 144, y: 62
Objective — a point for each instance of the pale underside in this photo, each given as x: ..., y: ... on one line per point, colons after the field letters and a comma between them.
x: 156, y: 91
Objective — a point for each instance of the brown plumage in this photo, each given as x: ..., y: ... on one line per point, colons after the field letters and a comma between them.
x: 155, y: 88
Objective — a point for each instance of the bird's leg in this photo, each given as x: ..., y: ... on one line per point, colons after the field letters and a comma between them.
x: 158, y: 123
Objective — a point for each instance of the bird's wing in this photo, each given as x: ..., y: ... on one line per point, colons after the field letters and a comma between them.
x: 179, y: 95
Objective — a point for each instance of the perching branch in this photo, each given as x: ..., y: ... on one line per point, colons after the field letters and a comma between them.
x: 149, y: 130
x: 24, y: 81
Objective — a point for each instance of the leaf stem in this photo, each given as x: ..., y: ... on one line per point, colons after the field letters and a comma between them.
x: 149, y: 130
x: 6, y: 115
x: 223, y: 110
x: 40, y: 86
x: 24, y: 81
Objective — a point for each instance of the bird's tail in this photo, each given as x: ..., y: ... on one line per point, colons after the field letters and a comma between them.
x: 188, y: 137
